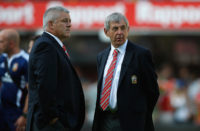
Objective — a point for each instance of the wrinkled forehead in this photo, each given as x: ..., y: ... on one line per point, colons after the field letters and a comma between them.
x: 118, y: 23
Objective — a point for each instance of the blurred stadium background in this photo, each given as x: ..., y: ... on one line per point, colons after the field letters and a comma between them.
x: 169, y: 28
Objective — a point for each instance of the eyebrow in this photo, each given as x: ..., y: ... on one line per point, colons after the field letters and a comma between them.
x: 119, y: 26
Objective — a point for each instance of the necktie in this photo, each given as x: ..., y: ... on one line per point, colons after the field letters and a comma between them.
x: 64, y: 48
x: 105, y: 95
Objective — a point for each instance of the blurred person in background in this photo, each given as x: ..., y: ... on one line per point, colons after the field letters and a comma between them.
x: 14, y: 78
x: 194, y: 98
x: 56, y: 100
x: 174, y: 103
x: 179, y: 98
x: 127, y: 82
x: 90, y: 92
x: 31, y: 42
x: 167, y: 82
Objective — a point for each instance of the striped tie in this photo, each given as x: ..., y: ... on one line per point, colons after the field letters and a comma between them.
x: 105, y: 95
x: 64, y: 48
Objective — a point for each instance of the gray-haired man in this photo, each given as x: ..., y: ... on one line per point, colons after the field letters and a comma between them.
x: 127, y: 82
x: 56, y: 101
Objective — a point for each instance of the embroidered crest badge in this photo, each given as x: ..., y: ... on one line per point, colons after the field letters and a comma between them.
x: 134, y: 79
x: 15, y: 67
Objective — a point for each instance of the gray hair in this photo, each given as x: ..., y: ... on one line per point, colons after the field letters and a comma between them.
x: 52, y: 14
x: 114, y: 17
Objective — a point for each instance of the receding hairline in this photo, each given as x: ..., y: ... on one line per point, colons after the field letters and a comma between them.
x: 11, y: 35
x: 56, y: 9
x: 115, y: 17
x: 52, y: 13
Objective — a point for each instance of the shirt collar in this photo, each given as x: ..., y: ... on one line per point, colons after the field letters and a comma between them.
x: 15, y: 55
x: 121, y: 48
x: 56, y: 38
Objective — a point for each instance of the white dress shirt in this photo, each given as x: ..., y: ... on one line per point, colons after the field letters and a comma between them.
x: 116, y: 75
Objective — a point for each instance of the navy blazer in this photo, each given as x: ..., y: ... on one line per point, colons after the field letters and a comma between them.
x: 137, y: 89
x: 54, y: 87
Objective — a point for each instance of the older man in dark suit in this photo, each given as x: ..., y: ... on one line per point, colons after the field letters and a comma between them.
x: 127, y: 82
x: 56, y: 101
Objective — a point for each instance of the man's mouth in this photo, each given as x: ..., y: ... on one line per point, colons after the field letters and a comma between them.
x: 119, y: 39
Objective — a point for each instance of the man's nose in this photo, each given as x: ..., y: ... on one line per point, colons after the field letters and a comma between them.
x: 69, y: 24
x: 119, y: 31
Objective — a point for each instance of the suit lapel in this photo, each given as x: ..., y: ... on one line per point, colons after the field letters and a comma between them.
x: 56, y: 44
x: 101, y: 68
x: 60, y: 50
x: 127, y: 59
x: 103, y: 63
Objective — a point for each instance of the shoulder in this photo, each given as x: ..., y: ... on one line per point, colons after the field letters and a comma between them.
x: 43, y: 43
x: 43, y: 47
x: 137, y: 49
x: 103, y: 52
x: 2, y: 60
x: 22, y: 58
x: 24, y: 55
x: 44, y: 38
x: 3, y: 57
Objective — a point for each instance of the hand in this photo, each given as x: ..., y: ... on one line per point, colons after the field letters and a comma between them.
x: 53, y: 121
x: 21, y: 124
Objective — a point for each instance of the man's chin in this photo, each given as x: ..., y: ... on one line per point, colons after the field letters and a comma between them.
x: 67, y: 36
x: 120, y: 43
x: 116, y: 45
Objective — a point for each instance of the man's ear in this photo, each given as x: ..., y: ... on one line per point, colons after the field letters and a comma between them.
x: 128, y: 28
x: 50, y: 24
x: 106, y: 32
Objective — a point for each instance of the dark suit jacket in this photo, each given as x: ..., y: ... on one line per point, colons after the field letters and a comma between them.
x: 54, y: 87
x: 137, y: 90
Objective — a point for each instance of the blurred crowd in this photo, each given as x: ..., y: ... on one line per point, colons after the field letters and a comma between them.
x: 179, y: 100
